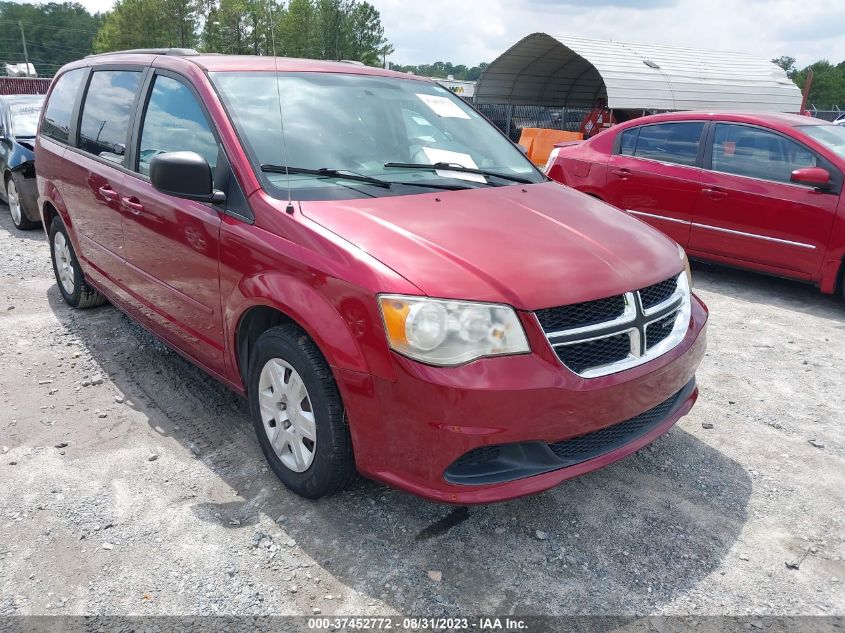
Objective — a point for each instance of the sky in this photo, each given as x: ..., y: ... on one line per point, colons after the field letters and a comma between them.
x: 472, y: 31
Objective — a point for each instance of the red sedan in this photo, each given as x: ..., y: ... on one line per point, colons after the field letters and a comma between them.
x: 760, y: 191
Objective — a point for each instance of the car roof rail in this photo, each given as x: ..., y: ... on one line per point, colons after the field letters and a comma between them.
x: 176, y: 52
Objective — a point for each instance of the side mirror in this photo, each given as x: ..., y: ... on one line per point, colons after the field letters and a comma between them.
x: 184, y: 175
x: 814, y: 176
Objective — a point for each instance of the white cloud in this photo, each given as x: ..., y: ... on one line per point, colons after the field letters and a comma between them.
x: 471, y: 31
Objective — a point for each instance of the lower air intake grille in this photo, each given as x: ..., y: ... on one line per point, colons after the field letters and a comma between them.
x: 508, y: 462
x: 605, y: 440
x: 603, y: 351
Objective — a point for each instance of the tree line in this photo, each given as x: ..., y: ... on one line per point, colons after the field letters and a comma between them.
x: 318, y: 29
x: 828, y: 87
x: 57, y: 33
x: 441, y: 70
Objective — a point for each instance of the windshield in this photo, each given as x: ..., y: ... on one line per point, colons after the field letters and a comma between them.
x: 366, y: 126
x: 25, y: 118
x: 831, y: 136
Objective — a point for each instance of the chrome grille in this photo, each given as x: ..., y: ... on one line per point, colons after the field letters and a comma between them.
x: 601, y: 337
x: 657, y: 331
x: 581, y: 314
x: 600, y: 351
x: 658, y: 293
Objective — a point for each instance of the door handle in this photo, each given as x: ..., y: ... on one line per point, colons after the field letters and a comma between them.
x: 133, y: 205
x: 108, y: 193
x: 714, y: 194
x: 622, y: 173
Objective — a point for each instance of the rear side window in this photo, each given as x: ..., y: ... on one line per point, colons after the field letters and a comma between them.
x: 756, y: 153
x: 57, y: 114
x: 668, y: 142
x: 629, y: 141
x: 106, y: 112
x: 174, y: 122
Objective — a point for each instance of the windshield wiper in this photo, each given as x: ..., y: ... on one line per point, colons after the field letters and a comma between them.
x: 458, y: 167
x: 351, y: 175
x: 326, y: 173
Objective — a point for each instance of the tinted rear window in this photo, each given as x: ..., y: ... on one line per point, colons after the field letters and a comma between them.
x: 667, y: 142
x: 25, y: 118
x: 57, y: 115
x: 106, y: 112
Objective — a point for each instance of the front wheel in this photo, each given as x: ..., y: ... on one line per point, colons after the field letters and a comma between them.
x: 75, y: 290
x: 298, y: 414
x: 13, y: 197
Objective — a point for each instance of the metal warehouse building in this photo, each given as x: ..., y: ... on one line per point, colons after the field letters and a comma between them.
x: 574, y: 72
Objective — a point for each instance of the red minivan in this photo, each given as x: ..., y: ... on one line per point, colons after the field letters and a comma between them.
x: 383, y: 274
x: 760, y: 191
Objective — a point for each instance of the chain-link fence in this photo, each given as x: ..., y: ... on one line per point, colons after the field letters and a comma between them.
x: 828, y: 113
x: 24, y: 85
x: 511, y: 119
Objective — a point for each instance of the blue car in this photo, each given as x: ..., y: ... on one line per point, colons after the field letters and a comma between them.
x: 19, y: 116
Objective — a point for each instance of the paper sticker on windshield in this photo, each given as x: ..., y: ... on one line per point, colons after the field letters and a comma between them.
x: 453, y: 158
x: 443, y: 106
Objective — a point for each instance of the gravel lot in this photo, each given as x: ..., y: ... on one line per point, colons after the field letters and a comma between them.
x: 133, y: 484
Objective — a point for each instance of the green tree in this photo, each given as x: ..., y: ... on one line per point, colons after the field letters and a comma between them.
x: 148, y: 24
x: 333, y: 30
x: 788, y: 65
x: 828, y: 87
x: 298, y: 32
x: 366, y: 35
x: 56, y: 33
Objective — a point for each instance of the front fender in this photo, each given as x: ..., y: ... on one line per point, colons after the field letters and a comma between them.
x: 20, y: 157
x: 342, y: 320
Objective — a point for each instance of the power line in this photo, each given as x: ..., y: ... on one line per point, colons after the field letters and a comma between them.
x: 44, y: 47
x: 47, y: 26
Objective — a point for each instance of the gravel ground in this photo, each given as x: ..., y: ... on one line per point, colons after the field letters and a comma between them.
x: 131, y: 483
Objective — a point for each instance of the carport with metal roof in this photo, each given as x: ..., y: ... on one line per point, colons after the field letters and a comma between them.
x: 575, y: 72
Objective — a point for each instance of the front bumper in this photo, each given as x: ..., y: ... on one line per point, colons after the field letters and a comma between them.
x: 409, y: 432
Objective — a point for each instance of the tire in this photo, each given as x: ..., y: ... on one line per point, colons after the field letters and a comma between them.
x: 305, y: 440
x: 69, y: 277
x: 13, y: 199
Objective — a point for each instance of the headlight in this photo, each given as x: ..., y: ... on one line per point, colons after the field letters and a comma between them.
x: 441, y: 332
x: 685, y: 259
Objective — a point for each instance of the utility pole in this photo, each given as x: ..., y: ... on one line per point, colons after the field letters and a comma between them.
x: 25, y: 54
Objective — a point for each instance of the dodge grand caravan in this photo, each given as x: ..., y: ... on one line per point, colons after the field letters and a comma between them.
x: 388, y: 280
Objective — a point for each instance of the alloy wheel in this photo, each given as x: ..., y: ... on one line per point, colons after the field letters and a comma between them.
x: 64, y: 264
x: 14, y: 202
x: 287, y: 415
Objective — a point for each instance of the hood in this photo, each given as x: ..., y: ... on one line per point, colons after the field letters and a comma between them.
x: 532, y: 246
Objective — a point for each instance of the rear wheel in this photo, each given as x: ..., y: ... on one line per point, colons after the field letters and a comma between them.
x: 75, y: 290
x: 298, y: 414
x: 13, y: 197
